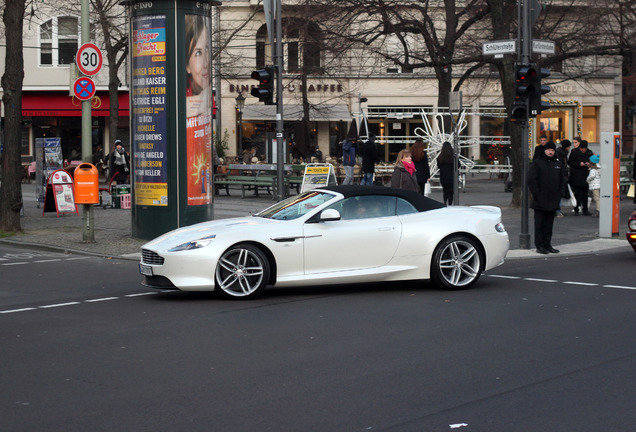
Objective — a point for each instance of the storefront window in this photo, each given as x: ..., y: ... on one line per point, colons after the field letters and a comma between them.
x: 590, y: 124
x: 556, y: 124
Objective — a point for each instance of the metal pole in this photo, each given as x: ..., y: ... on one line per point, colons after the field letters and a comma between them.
x: 526, y: 46
x: 280, y: 143
x: 88, y: 232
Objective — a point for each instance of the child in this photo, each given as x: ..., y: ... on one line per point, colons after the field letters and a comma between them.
x: 594, y: 180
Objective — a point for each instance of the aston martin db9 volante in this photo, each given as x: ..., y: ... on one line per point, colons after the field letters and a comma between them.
x: 331, y: 235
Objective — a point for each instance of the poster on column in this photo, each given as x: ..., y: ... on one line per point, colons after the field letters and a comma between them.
x: 149, y: 115
x: 198, y: 109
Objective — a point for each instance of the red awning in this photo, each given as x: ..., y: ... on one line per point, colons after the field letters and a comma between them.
x: 50, y: 104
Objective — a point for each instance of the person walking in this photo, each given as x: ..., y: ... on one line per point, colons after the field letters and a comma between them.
x: 543, y: 140
x: 369, y: 157
x: 546, y: 181
x: 562, y: 154
x: 119, y: 164
x: 420, y: 159
x: 403, y: 176
x: 445, y: 163
x: 579, y: 162
x: 348, y: 160
x: 594, y: 182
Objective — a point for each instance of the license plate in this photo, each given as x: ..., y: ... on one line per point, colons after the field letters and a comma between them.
x: 145, y: 270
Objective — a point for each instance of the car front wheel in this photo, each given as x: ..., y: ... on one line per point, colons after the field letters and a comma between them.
x: 456, y: 263
x: 242, y: 272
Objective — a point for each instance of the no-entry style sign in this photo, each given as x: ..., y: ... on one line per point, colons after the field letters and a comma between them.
x: 84, y: 88
x: 89, y: 59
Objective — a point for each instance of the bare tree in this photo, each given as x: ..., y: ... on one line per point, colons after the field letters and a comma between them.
x: 11, y: 189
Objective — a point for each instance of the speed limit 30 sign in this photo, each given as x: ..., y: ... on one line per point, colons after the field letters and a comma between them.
x: 89, y: 59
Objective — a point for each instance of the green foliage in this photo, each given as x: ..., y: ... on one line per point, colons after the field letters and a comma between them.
x: 222, y: 144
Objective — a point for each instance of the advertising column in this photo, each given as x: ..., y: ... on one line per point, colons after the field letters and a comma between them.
x: 171, y: 114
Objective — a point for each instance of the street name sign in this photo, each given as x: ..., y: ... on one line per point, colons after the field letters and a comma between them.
x: 543, y: 47
x: 499, y: 48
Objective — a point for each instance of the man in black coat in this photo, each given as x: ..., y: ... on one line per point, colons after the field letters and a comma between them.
x: 369, y: 158
x: 546, y: 180
x: 579, y: 162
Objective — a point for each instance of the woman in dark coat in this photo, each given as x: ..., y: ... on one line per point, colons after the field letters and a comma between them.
x: 420, y: 159
x: 445, y: 162
x: 579, y: 162
x: 404, y: 173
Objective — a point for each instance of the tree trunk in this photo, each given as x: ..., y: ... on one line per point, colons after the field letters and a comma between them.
x: 11, y: 189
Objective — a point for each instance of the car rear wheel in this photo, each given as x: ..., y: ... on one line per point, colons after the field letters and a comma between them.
x: 456, y: 263
x: 242, y: 272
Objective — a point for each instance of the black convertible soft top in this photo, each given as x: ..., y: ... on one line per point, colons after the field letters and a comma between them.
x: 420, y: 202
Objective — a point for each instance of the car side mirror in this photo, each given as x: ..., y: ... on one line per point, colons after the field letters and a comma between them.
x: 330, y: 215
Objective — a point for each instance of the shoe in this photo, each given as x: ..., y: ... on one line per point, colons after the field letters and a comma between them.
x: 542, y: 251
x: 559, y: 214
x: 552, y: 250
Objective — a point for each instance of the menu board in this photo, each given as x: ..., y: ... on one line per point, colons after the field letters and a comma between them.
x: 149, y: 114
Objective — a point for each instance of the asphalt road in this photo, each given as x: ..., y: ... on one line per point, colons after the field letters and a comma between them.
x: 537, y: 345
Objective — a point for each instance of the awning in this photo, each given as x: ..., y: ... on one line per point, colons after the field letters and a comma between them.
x: 294, y: 112
x: 60, y: 104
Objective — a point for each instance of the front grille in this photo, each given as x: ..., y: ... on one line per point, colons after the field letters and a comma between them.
x: 150, y: 257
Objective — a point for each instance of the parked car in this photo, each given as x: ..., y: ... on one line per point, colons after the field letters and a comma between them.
x: 631, y: 230
x: 330, y: 235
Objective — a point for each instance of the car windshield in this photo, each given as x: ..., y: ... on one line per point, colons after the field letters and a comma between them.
x: 296, y: 206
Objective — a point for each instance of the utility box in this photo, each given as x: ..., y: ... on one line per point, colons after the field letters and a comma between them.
x: 86, y: 183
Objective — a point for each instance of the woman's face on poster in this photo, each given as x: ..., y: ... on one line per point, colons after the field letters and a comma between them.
x: 198, y: 64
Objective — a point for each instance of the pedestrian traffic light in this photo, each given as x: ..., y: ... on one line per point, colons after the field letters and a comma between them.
x: 265, y: 90
x: 535, y: 105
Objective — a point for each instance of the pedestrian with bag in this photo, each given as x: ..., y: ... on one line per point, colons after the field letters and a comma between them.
x: 403, y: 176
x: 445, y: 163
x: 546, y: 180
x: 348, y: 160
x: 562, y: 154
x: 119, y: 163
x: 579, y: 162
x: 422, y: 169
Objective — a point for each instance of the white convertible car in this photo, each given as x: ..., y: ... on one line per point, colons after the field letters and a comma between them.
x: 331, y: 235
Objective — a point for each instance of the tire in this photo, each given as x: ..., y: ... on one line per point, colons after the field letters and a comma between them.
x: 457, y: 263
x: 242, y: 272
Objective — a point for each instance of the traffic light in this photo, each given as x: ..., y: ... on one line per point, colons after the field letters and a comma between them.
x: 519, y: 111
x: 523, y: 89
x: 265, y: 90
x: 535, y: 105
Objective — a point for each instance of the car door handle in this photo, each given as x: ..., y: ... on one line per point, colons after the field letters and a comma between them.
x: 385, y: 228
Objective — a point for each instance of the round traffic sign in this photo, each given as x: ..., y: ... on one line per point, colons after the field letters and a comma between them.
x: 84, y: 88
x: 89, y: 59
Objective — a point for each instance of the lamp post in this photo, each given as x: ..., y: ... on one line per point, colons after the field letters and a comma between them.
x: 240, y: 104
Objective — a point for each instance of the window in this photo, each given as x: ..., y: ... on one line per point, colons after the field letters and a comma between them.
x: 46, y: 43
x: 366, y: 207
x: 59, y: 41
x: 590, y: 124
x: 301, y: 47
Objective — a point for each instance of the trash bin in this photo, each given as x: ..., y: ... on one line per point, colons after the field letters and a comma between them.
x: 86, y: 184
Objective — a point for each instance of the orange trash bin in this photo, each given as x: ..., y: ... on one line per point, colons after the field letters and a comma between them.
x: 86, y: 184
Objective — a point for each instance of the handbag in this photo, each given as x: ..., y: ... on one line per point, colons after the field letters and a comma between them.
x: 571, y: 199
x: 427, y: 189
x: 631, y: 191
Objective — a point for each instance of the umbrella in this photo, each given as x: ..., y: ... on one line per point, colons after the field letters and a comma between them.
x: 353, y: 130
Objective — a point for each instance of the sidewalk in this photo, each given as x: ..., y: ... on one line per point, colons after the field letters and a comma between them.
x: 113, y: 227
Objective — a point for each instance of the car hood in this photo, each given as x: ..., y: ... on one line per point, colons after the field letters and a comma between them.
x: 206, y: 229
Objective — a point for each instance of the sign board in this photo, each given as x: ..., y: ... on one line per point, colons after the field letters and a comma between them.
x: 543, y: 47
x: 84, y: 88
x: 89, y: 59
x: 499, y: 48
x: 317, y: 175
x: 59, y: 194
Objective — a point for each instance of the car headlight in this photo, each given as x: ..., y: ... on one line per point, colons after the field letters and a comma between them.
x: 194, y: 244
x: 632, y: 224
x: 500, y: 227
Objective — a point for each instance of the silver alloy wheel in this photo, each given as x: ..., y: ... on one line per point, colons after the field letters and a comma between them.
x: 457, y: 263
x: 242, y: 272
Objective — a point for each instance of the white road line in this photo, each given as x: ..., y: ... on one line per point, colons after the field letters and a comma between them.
x: 141, y: 294
x: 16, y: 310
x: 58, y: 305
x: 50, y: 260
x: 620, y: 287
x: 540, y: 280
x: 505, y: 277
x: 101, y: 299
x: 580, y: 283
x: 15, y: 263
x: 77, y: 258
